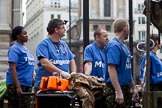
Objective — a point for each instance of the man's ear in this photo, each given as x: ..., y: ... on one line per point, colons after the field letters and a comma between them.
x: 157, y: 42
x: 97, y: 36
x: 125, y: 28
x: 55, y: 30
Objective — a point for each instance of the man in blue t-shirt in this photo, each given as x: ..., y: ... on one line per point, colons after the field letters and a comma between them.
x: 54, y: 55
x: 95, y: 61
x: 94, y: 55
x: 119, y: 76
x: 155, y: 66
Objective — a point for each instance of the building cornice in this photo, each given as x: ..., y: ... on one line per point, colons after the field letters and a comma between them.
x: 33, y: 17
x: 5, y: 31
x: 98, y: 19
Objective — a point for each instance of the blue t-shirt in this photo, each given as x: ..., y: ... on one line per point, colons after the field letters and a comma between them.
x: 155, y: 68
x: 94, y: 54
x: 60, y: 56
x: 24, y: 65
x: 117, y: 53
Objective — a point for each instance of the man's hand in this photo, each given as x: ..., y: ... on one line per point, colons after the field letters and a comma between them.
x: 135, y: 94
x: 66, y: 75
x: 119, y: 97
x: 19, y: 90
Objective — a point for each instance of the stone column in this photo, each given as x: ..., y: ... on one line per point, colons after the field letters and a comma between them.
x: 5, y: 30
x: 101, y: 7
x: 5, y: 14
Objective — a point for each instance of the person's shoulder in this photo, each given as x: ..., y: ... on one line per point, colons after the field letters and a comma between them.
x: 153, y: 55
x: 15, y: 46
x: 44, y: 41
x: 62, y: 42
x: 90, y: 46
x: 113, y: 42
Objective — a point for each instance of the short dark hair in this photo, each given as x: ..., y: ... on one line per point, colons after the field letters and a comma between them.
x: 97, y: 32
x: 54, y: 23
x: 16, y: 31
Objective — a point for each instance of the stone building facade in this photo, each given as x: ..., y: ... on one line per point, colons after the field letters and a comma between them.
x: 10, y: 12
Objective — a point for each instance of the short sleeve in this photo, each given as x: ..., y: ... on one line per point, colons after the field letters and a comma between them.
x: 13, y: 55
x: 88, y: 54
x: 42, y: 51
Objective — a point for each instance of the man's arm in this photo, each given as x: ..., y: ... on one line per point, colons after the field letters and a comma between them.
x: 52, y: 68
x: 87, y: 67
x: 132, y: 84
x: 15, y: 77
x: 46, y: 64
x: 114, y: 77
x: 114, y: 80
x: 73, y: 67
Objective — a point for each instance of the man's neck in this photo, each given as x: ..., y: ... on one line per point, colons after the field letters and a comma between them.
x: 54, y: 38
x: 100, y: 46
x: 119, y: 37
x: 154, y: 49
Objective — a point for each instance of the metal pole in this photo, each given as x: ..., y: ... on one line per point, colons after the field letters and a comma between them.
x: 85, y: 23
x: 131, y: 32
x: 147, y: 93
x: 70, y: 24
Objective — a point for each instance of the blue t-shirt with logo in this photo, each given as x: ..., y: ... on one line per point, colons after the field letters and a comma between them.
x: 95, y: 55
x: 24, y: 60
x: 155, y: 68
x: 117, y: 53
x: 60, y: 56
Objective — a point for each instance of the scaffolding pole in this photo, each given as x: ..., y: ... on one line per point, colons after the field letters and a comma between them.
x: 85, y: 23
x: 131, y: 33
x: 147, y: 94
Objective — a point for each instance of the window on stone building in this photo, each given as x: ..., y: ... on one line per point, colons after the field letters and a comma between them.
x: 108, y: 28
x: 95, y: 27
x: 34, y: 35
x: 142, y: 35
x: 140, y: 7
x: 160, y: 50
x: 73, y: 18
x: 59, y: 16
x: 55, y: 3
x: 58, y: 5
x: 141, y: 20
x: 52, y: 16
x: 37, y: 33
x: 107, y: 8
x: 74, y: 4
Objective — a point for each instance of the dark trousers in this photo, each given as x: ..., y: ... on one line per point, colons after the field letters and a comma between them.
x: 100, y: 103
x: 1, y: 103
x: 156, y: 87
x: 18, y: 101
x: 110, y: 98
